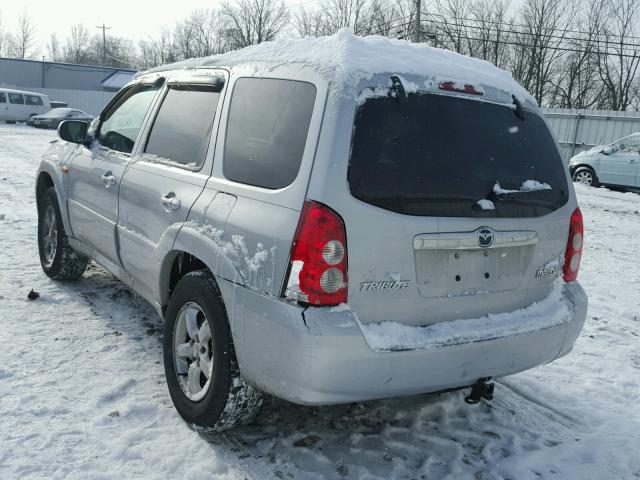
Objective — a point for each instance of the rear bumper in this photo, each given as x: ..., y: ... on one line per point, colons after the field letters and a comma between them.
x: 320, y: 356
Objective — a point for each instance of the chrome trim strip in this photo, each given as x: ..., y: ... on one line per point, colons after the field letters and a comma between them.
x: 469, y: 240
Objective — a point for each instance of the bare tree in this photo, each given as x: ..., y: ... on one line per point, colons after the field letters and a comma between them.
x: 53, y: 48
x: 392, y: 19
x: 254, y: 21
x: 450, y: 25
x: 618, y: 68
x: 538, y: 44
x: 4, y: 40
x: 308, y: 22
x: 210, y: 32
x: 76, y: 49
x: 160, y: 51
x: 576, y: 80
x: 339, y: 14
x: 491, y: 31
x: 24, y: 39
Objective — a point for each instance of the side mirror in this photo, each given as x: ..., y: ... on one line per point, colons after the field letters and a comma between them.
x: 608, y: 150
x: 73, y: 131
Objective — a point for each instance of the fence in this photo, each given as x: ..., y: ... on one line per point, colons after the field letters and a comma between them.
x: 578, y: 130
x: 90, y: 101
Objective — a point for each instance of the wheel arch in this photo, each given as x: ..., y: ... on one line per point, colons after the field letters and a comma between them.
x: 43, y: 182
x: 584, y: 165
x: 47, y: 179
x: 193, y: 250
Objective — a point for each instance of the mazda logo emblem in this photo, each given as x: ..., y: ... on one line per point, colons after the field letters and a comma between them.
x: 485, y: 237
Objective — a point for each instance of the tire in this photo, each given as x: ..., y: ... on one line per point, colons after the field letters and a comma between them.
x: 586, y: 175
x: 197, y: 339
x: 59, y: 261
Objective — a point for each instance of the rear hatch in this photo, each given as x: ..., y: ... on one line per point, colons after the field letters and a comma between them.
x: 458, y: 208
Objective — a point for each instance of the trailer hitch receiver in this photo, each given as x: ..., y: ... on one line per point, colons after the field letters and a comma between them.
x: 481, y: 389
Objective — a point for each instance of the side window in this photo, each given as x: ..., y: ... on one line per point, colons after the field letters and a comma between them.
x: 267, y: 131
x: 182, y: 127
x: 16, y: 99
x: 121, y: 124
x: 33, y: 100
x: 3, y: 97
x: 630, y: 144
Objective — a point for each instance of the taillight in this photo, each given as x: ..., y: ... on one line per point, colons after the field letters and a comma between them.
x: 318, y: 266
x: 573, y: 255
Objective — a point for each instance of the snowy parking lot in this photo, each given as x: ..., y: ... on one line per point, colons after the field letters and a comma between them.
x: 83, y: 395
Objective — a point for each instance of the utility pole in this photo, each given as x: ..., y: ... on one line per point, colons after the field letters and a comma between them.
x: 104, y: 29
x: 416, y: 33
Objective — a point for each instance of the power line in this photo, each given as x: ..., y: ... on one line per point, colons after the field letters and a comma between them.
x: 510, y: 24
x: 466, y: 36
x: 543, y: 35
x: 558, y: 48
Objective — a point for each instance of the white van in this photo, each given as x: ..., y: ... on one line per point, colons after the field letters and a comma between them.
x: 19, y: 106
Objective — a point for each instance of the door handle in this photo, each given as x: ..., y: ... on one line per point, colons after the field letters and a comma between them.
x: 108, y: 179
x: 170, y: 201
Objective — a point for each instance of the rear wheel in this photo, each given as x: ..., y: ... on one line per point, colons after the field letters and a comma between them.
x: 586, y: 176
x: 59, y: 261
x: 200, y: 363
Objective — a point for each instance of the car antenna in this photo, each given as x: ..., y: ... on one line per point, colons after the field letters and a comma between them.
x: 398, y: 88
x: 519, y: 109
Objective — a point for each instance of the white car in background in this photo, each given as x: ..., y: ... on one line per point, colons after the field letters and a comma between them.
x: 20, y: 106
x: 616, y: 164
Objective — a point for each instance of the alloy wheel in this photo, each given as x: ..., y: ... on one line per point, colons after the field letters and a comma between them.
x: 50, y: 235
x: 193, y: 351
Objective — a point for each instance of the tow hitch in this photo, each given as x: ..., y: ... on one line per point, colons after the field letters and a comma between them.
x: 481, y: 389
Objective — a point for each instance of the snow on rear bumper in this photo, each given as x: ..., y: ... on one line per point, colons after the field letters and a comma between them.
x: 321, y: 356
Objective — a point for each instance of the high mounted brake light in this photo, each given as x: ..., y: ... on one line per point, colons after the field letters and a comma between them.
x: 318, y: 262
x: 575, y: 241
x: 459, y: 88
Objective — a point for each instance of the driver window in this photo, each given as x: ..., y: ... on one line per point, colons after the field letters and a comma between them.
x: 120, y: 126
x: 631, y: 144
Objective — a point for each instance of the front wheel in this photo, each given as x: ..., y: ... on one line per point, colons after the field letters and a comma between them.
x: 586, y: 176
x: 199, y: 358
x: 59, y: 261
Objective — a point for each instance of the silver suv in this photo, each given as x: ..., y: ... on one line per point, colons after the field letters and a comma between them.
x: 324, y: 237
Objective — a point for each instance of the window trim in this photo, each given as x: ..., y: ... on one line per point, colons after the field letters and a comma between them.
x: 156, y: 111
x: 19, y: 95
x: 226, y: 133
x: 39, y: 103
x: 115, y: 104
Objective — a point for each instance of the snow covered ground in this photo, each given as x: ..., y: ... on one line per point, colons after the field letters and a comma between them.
x: 83, y: 396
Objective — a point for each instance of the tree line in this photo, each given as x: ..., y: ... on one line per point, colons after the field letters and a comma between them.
x: 566, y: 53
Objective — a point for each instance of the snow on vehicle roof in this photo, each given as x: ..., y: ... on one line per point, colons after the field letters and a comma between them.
x: 344, y: 59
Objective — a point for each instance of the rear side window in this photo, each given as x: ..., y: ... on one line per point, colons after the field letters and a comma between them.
x: 33, y: 100
x: 182, y: 128
x: 16, y: 99
x: 438, y: 155
x: 3, y: 97
x: 267, y: 131
x: 121, y: 124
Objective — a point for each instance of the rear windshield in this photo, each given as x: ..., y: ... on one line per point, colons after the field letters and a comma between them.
x: 437, y: 155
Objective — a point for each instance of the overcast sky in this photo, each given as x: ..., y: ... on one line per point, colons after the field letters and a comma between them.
x: 134, y: 19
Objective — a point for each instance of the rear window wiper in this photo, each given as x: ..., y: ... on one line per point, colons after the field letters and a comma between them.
x: 519, y: 111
